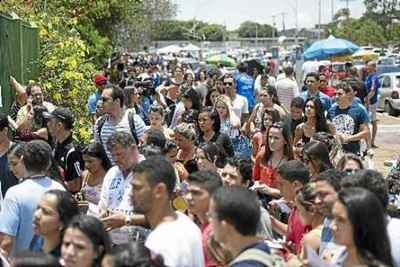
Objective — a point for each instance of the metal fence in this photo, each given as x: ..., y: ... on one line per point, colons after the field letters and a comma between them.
x: 19, y: 55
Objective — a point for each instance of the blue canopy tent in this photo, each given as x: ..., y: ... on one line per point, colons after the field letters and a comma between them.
x: 324, y: 49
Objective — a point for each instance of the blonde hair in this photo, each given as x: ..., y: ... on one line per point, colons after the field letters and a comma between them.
x: 233, y: 118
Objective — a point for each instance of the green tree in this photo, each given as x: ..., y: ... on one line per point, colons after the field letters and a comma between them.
x: 213, y: 32
x: 250, y: 29
x: 361, y: 31
x: 384, y: 12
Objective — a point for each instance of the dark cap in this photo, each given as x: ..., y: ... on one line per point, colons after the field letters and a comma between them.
x: 63, y: 114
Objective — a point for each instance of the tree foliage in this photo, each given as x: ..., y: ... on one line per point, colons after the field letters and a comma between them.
x: 360, y: 31
x: 250, y: 29
x: 384, y: 12
x: 188, y: 30
x: 75, y: 36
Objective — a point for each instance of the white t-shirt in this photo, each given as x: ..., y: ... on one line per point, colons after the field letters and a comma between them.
x: 394, y: 237
x: 240, y: 106
x: 287, y: 89
x: 115, y: 197
x: 178, y: 242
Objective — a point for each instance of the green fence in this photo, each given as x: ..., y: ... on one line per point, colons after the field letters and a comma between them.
x: 19, y: 54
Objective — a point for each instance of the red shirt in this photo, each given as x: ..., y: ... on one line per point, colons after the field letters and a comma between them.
x: 296, y: 229
x: 205, y: 235
x: 264, y: 173
x: 329, y: 91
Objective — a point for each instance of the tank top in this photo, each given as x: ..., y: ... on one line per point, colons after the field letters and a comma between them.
x: 91, y: 193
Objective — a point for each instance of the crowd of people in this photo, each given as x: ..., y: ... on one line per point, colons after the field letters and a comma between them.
x: 192, y: 168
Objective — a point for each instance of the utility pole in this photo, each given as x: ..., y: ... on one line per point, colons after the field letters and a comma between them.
x: 273, y: 26
x: 256, y: 34
x: 319, y: 19
x: 297, y: 20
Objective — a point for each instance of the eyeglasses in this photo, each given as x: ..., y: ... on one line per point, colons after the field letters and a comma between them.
x: 105, y: 98
x: 278, y: 125
x: 228, y: 83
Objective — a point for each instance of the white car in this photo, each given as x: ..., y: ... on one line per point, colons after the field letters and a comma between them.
x: 389, y: 92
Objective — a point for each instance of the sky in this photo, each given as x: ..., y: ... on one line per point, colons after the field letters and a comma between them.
x: 233, y: 12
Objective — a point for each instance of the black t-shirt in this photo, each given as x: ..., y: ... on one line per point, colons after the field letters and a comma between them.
x: 7, y: 178
x: 69, y: 159
x: 222, y: 140
x: 291, y: 124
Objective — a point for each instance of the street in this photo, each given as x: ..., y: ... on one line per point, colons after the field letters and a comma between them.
x: 387, y: 140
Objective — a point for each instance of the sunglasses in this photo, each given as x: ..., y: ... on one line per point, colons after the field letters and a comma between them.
x: 228, y: 83
x: 105, y: 98
x: 278, y: 125
x: 350, y: 171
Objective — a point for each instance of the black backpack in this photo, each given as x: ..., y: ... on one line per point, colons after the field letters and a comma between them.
x: 131, y: 120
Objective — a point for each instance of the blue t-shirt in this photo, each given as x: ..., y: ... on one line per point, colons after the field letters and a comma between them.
x: 92, y: 102
x: 348, y: 121
x: 368, y: 85
x: 245, y: 87
x: 18, y: 207
x: 325, y: 100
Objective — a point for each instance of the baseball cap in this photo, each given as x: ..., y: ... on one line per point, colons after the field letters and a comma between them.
x: 100, y: 79
x: 63, y: 114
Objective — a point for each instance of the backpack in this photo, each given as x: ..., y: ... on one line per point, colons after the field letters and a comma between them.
x: 131, y: 120
x: 260, y: 256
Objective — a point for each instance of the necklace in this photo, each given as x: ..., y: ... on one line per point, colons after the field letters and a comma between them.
x: 278, y: 164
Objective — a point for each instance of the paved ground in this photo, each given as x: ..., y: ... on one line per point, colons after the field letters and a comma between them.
x: 387, y: 140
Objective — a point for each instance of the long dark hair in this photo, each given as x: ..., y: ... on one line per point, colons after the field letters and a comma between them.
x: 67, y: 206
x: 288, y: 152
x: 213, y: 115
x: 320, y: 125
x: 318, y: 152
x: 93, y: 229
x: 369, y: 223
x: 214, y: 153
x: 97, y: 151
x: 273, y: 94
x: 194, y: 97
x: 274, y: 115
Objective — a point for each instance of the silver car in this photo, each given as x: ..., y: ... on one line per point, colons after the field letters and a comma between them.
x: 389, y: 92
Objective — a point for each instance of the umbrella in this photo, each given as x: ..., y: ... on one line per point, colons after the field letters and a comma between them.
x: 191, y: 48
x: 169, y: 49
x: 365, y: 55
x: 221, y: 59
x: 329, y: 47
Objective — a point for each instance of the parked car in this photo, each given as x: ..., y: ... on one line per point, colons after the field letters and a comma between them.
x: 389, y: 92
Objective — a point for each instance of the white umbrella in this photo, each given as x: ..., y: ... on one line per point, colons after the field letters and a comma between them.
x: 170, y: 49
x: 191, y: 47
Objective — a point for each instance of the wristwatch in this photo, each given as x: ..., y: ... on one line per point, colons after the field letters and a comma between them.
x: 128, y: 220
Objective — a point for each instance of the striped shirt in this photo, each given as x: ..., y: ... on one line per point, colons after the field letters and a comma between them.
x: 109, y: 128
